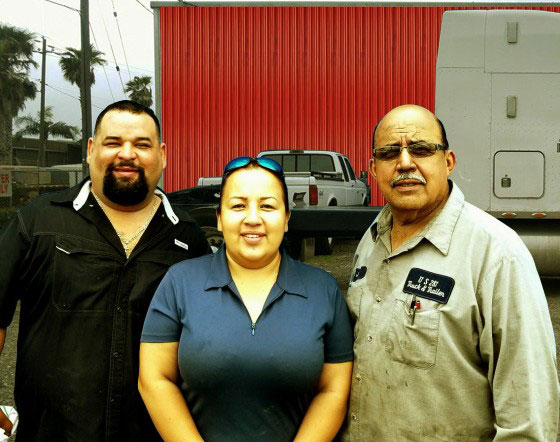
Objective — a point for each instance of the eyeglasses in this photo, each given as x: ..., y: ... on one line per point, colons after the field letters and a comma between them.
x: 417, y: 150
x: 240, y: 162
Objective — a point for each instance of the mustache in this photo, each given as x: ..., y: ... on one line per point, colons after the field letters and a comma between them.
x: 130, y: 164
x: 407, y: 176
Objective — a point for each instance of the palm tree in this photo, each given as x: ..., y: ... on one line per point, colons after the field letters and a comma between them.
x: 16, y: 59
x: 70, y: 61
x: 139, y: 89
x: 32, y: 126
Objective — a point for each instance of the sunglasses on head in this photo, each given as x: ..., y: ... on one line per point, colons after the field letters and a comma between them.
x: 417, y: 150
x: 240, y: 162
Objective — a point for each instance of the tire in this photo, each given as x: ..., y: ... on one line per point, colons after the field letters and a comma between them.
x: 300, y: 249
x: 324, y: 246
x: 214, y: 237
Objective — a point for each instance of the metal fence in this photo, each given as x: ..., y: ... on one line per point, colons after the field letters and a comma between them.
x: 21, y: 184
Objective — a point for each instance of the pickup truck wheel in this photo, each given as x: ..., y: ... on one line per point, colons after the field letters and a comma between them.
x: 214, y: 237
x: 324, y: 246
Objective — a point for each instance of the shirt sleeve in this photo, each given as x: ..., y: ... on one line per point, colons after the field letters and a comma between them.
x: 518, y: 344
x: 14, y: 243
x: 339, y: 339
x: 163, y: 323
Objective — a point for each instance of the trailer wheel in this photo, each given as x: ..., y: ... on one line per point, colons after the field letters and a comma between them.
x: 324, y: 246
x: 214, y: 237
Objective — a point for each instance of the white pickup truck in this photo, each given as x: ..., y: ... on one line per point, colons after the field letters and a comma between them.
x: 316, y: 178
x: 334, y: 176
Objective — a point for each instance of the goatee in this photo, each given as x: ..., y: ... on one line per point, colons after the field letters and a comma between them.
x: 125, y: 192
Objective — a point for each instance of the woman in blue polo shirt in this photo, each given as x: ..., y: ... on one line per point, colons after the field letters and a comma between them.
x: 262, y: 343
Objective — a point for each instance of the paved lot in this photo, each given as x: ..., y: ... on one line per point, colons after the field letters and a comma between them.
x: 338, y: 265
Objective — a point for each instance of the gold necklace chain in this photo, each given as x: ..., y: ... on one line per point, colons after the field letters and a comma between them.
x: 126, y: 241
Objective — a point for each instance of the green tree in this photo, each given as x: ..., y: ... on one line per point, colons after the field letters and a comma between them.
x: 16, y: 59
x: 70, y: 61
x: 32, y: 126
x: 140, y: 89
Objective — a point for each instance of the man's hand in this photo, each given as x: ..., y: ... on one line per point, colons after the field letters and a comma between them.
x: 5, y: 424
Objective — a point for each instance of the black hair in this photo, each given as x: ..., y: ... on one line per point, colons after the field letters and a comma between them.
x: 128, y: 106
x: 251, y: 165
x: 444, y: 141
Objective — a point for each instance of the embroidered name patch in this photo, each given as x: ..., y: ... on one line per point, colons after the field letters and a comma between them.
x: 181, y: 244
x: 359, y: 273
x: 429, y: 285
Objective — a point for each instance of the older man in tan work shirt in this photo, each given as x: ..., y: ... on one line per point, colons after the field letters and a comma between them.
x: 453, y: 339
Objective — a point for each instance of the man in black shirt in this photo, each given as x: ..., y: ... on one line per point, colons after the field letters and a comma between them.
x: 85, y: 263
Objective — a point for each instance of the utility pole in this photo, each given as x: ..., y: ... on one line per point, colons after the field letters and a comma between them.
x: 42, y: 153
x: 85, y: 84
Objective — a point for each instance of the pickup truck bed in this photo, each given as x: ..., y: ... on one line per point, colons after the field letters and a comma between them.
x: 305, y: 222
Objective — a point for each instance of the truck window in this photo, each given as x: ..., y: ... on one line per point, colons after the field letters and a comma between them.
x: 322, y: 163
x: 350, y: 169
x: 343, y: 167
x: 303, y: 163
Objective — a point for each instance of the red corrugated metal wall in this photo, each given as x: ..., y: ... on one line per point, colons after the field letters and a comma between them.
x: 236, y: 81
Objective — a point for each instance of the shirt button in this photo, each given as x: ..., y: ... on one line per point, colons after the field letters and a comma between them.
x: 354, y: 417
x: 119, y: 309
x: 370, y: 338
x: 112, y: 400
x: 378, y: 299
x: 116, y: 354
x: 358, y: 378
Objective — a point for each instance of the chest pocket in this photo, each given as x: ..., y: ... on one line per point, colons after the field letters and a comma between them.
x: 413, y: 344
x: 151, y: 268
x: 84, y: 274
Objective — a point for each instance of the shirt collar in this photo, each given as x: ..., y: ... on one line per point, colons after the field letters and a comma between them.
x: 83, y: 195
x: 439, y: 230
x: 288, y: 279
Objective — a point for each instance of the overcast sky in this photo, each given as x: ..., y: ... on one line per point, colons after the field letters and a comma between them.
x: 61, y: 27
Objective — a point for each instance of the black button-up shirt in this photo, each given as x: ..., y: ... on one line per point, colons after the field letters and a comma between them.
x: 83, y: 305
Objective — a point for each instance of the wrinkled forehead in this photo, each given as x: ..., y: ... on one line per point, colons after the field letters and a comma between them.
x: 120, y: 123
x: 408, y: 126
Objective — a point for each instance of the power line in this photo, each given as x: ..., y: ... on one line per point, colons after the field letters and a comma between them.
x: 64, y: 6
x: 141, y: 4
x: 71, y: 96
x: 102, y: 65
x: 111, y: 46
x: 120, y: 36
x: 67, y: 91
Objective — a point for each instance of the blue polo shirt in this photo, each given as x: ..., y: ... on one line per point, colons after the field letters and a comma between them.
x: 245, y: 381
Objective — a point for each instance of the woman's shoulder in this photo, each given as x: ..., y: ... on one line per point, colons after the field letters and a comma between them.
x: 188, y: 266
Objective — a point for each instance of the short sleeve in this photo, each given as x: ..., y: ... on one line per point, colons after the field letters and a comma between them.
x: 163, y: 322
x: 14, y: 243
x: 339, y: 338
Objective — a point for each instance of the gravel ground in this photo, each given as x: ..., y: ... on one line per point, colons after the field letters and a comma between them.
x: 338, y: 265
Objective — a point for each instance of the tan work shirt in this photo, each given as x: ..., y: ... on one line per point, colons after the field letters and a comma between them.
x: 481, y: 366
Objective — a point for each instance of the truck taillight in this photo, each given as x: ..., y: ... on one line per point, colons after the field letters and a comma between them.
x: 538, y: 215
x: 313, y: 195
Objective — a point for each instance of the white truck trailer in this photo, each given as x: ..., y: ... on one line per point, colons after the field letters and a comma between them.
x: 498, y: 95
